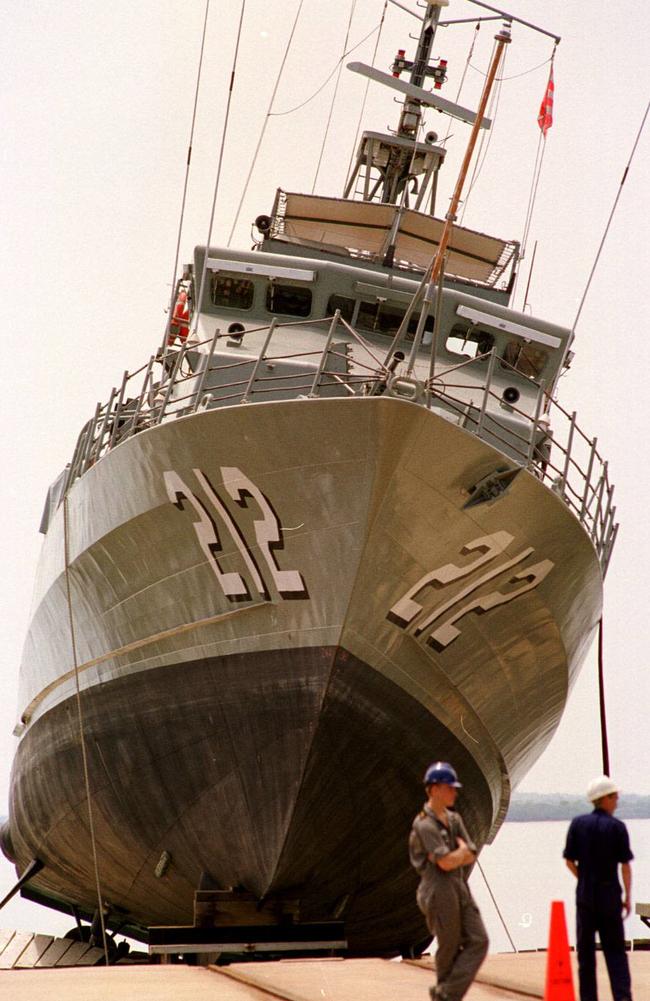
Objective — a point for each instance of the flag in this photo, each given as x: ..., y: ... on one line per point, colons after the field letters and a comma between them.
x: 545, y: 116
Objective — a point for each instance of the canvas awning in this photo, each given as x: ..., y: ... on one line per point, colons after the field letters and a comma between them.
x: 362, y: 228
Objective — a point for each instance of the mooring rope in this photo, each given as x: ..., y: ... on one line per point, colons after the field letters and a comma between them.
x: 601, y: 700
x: 80, y: 718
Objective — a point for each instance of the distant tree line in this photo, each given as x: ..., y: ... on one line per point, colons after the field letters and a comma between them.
x: 550, y: 806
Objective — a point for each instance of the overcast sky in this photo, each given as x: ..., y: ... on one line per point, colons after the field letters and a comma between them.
x: 97, y: 104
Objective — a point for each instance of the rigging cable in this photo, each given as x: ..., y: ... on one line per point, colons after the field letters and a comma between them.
x: 82, y: 736
x: 216, y: 182
x: 172, y: 302
x: 532, y: 198
x: 336, y: 89
x: 496, y: 906
x: 486, y: 138
x: 611, y: 216
x: 303, y: 104
x: 516, y: 76
x: 462, y: 79
x: 378, y: 29
x: 265, y: 123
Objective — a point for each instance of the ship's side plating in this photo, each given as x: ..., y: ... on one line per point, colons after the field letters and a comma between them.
x: 273, y: 737
x: 332, y: 533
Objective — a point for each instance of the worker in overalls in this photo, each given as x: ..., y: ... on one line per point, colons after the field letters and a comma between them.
x: 597, y: 843
x: 440, y: 850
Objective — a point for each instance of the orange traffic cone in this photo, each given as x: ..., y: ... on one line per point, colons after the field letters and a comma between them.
x: 559, y: 976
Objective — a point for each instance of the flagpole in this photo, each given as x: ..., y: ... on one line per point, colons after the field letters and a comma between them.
x: 502, y: 39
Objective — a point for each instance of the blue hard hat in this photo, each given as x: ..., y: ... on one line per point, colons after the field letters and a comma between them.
x: 441, y: 773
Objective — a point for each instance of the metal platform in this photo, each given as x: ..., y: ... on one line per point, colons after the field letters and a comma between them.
x: 173, y: 940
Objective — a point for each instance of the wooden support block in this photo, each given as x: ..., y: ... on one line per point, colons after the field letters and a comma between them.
x: 33, y: 952
x: 72, y: 955
x: 5, y: 938
x: 91, y: 957
x: 54, y: 952
x: 14, y: 950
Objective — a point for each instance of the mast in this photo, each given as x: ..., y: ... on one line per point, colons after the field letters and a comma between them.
x: 388, y: 164
x: 411, y: 116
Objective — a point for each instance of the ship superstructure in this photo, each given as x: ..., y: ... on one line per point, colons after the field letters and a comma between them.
x: 338, y: 526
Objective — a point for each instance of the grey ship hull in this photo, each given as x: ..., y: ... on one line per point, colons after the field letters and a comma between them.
x: 275, y: 738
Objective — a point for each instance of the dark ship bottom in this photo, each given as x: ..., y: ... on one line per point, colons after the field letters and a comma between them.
x: 291, y: 774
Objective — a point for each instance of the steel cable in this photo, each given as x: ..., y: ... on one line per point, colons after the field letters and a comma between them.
x: 336, y: 89
x: 378, y: 29
x: 219, y: 165
x: 611, y: 216
x: 82, y: 735
x: 264, y: 124
x: 496, y: 907
x: 172, y: 301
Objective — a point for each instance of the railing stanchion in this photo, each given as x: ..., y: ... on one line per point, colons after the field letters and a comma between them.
x: 118, y: 410
x: 323, y: 358
x: 260, y: 359
x: 569, y: 446
x: 608, y: 551
x: 486, y: 391
x: 534, y: 427
x: 145, y: 382
x: 107, y: 415
x: 599, y: 504
x: 171, y: 382
x: 206, y: 369
x: 590, y: 467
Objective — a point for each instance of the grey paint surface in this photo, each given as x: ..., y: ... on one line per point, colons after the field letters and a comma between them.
x: 250, y: 738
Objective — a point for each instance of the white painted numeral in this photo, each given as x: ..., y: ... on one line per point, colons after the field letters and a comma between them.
x: 268, y: 530
x: 232, y: 584
x: 410, y: 614
x: 447, y: 632
x: 268, y: 533
x: 406, y: 609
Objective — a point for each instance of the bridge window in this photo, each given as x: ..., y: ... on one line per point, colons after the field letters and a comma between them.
x: 384, y: 317
x: 292, y: 300
x: 524, y: 358
x: 469, y: 342
x: 229, y: 290
x: 344, y: 303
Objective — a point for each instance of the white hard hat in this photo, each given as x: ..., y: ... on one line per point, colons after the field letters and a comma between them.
x: 602, y: 786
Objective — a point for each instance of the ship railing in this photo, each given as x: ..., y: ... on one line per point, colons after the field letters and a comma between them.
x: 549, y: 443
x: 544, y: 438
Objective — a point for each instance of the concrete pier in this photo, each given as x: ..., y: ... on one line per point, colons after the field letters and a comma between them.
x: 517, y: 977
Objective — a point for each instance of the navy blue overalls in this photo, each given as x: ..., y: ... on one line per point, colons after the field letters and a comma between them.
x: 598, y: 843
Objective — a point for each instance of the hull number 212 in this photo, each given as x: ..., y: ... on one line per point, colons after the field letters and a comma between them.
x: 259, y: 560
